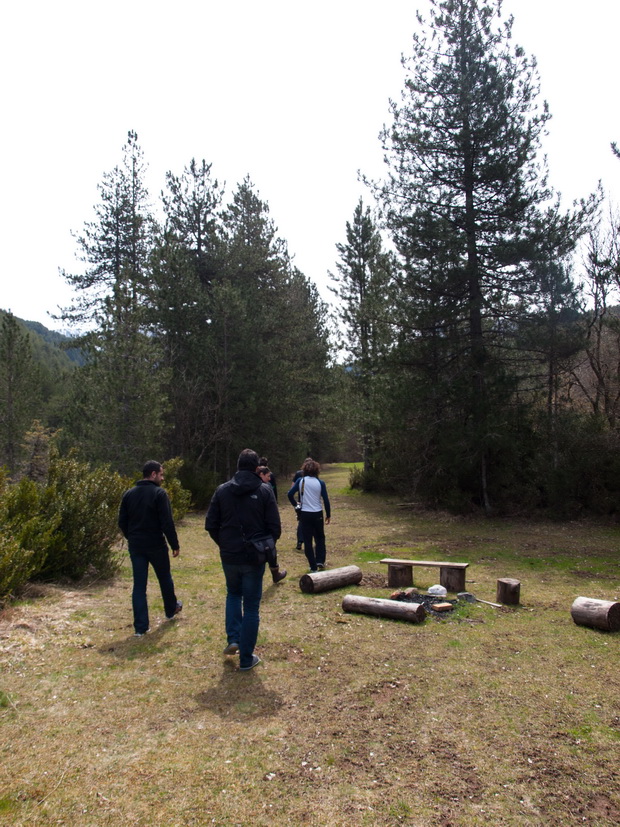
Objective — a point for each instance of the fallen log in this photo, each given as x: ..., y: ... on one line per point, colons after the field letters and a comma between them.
x: 323, y: 581
x: 380, y: 607
x: 598, y: 614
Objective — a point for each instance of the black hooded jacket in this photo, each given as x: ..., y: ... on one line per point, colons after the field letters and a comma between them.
x: 240, y: 508
x: 145, y: 518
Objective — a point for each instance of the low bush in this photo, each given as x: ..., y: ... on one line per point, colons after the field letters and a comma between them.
x: 18, y: 560
x: 81, y: 504
x: 180, y: 498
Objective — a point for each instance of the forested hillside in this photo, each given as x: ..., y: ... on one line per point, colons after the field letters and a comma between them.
x: 472, y: 357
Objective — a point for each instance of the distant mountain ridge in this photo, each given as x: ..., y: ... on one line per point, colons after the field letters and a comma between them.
x: 50, y: 347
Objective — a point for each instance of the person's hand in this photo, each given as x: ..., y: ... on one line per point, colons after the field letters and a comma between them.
x: 328, y: 520
x: 176, y: 552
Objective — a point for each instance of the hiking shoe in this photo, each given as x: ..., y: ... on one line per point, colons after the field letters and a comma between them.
x: 178, y: 608
x: 255, y: 662
x: 320, y: 566
x: 231, y: 649
x: 278, y: 574
x: 298, y: 547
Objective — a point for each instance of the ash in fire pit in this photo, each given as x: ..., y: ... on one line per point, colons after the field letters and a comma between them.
x: 430, y: 602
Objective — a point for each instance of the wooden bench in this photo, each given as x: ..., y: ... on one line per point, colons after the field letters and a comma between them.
x: 451, y: 575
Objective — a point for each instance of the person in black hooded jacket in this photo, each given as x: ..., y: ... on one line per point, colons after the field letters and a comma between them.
x: 241, y: 508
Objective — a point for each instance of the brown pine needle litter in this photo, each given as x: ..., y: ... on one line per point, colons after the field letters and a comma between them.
x: 483, y: 716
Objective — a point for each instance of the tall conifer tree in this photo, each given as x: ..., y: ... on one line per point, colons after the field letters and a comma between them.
x: 119, y: 392
x: 468, y: 206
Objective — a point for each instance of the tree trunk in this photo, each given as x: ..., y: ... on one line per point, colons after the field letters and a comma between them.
x: 508, y: 591
x: 323, y: 581
x: 598, y: 614
x: 380, y: 607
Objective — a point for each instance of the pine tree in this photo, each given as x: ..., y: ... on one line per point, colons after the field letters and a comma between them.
x: 19, y: 389
x: 186, y: 272
x: 119, y: 392
x: 468, y: 207
x: 363, y: 289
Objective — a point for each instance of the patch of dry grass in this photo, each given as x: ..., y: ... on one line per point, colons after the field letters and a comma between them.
x: 508, y: 717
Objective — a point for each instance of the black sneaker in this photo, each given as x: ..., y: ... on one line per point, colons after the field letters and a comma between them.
x: 178, y: 608
x: 255, y: 662
x: 231, y: 649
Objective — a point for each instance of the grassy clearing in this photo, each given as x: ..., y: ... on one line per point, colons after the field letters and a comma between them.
x: 508, y: 717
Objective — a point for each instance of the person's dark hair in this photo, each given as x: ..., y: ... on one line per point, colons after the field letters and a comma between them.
x: 248, y: 460
x: 263, y: 469
x: 150, y: 467
x: 263, y: 461
x: 311, y: 468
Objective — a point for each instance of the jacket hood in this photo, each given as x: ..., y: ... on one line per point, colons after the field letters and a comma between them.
x: 245, y: 482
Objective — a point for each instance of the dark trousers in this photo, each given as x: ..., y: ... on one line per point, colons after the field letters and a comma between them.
x: 244, y: 587
x: 160, y: 560
x: 313, y: 529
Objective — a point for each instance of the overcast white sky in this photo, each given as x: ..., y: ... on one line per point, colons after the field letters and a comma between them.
x: 292, y: 94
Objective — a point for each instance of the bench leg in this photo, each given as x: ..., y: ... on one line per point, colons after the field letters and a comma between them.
x: 399, y: 575
x: 453, y: 580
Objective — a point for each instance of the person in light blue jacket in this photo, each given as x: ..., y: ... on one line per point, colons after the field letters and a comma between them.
x: 311, y: 490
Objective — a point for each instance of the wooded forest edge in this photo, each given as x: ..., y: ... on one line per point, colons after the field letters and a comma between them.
x: 471, y: 360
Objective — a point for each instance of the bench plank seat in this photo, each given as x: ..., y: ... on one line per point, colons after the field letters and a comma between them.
x: 451, y: 575
x: 424, y: 563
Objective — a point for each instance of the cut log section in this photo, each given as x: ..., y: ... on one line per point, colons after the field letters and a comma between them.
x: 598, y: 614
x: 380, y: 607
x: 508, y: 591
x: 323, y: 581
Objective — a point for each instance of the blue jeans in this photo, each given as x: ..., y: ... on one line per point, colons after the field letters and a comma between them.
x: 160, y: 560
x: 244, y: 584
x: 313, y: 529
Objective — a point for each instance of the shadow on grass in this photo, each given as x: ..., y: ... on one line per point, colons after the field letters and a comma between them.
x: 240, y: 696
x: 131, y: 648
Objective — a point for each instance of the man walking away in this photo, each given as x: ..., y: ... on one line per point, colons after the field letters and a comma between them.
x: 242, y: 508
x: 145, y: 518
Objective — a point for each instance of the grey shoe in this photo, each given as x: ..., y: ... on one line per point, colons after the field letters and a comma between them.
x: 231, y: 649
x: 320, y: 566
x: 255, y: 662
x: 140, y: 634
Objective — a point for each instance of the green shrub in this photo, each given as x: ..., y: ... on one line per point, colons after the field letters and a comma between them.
x: 356, y: 477
x: 17, y: 563
x: 80, y: 505
x: 200, y: 481
x: 369, y: 480
x: 180, y: 498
